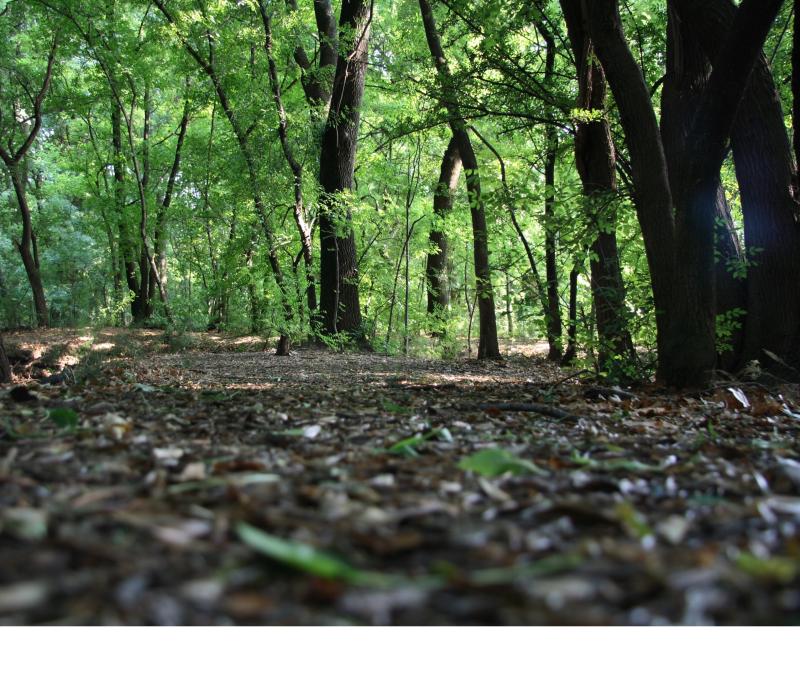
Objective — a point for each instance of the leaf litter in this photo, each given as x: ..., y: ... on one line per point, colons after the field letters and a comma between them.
x: 224, y: 485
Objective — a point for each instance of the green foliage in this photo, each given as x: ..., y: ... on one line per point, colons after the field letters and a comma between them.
x: 492, y: 462
x: 728, y: 323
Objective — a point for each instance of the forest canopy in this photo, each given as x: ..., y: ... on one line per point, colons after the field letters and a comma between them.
x: 419, y: 177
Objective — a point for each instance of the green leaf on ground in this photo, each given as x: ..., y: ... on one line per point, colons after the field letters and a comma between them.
x: 63, y: 417
x: 493, y: 462
x: 295, y: 554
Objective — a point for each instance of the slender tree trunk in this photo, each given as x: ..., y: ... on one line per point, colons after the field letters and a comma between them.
x: 208, y: 65
x: 437, y: 265
x: 572, y: 324
x: 145, y: 275
x: 15, y: 162
x: 299, y: 208
x: 537, y: 283
x: 126, y: 244
x: 25, y: 247
x: 554, y: 324
x: 488, y: 346
x: 595, y: 159
x: 339, y: 301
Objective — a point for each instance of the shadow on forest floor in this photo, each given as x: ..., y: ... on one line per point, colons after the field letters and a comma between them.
x: 220, y: 484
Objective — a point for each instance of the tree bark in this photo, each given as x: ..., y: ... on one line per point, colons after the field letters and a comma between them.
x: 160, y: 229
x: 339, y: 300
x: 762, y: 155
x: 554, y: 323
x: 688, y: 71
x: 13, y: 157
x: 437, y: 265
x: 595, y: 159
x: 5, y: 366
x: 687, y: 328
x: 488, y: 346
x: 299, y: 207
x: 25, y: 247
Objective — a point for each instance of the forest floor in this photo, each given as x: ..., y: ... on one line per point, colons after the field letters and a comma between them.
x: 202, y: 480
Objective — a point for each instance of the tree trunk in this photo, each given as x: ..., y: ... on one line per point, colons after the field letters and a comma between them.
x: 714, y: 121
x: 554, y: 323
x: 653, y: 198
x: 126, y: 244
x: 488, y: 346
x: 572, y: 324
x: 595, y: 160
x: 25, y: 247
x: 682, y: 273
x: 766, y: 174
x: 339, y: 302
x: 437, y: 265
x: 299, y: 208
x: 5, y: 366
x: 687, y: 75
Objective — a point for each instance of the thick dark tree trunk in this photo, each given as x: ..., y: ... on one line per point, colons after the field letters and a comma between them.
x: 488, y: 346
x: 796, y: 89
x: 316, y: 79
x: 682, y: 273
x: 25, y: 246
x: 766, y: 174
x: 687, y: 75
x: 5, y: 366
x: 713, y: 125
x: 595, y: 159
x: 339, y: 302
x: 437, y: 265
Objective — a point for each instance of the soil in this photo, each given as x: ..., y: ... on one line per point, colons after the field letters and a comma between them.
x: 200, y: 479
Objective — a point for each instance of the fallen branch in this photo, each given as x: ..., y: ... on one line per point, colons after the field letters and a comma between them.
x: 538, y: 408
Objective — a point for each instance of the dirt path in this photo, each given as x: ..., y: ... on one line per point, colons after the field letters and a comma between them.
x: 222, y: 485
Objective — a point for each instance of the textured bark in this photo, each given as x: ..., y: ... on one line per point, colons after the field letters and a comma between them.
x: 694, y: 328
x: 595, y: 159
x: 686, y: 78
x: 5, y: 366
x: 765, y: 171
x: 554, y: 323
x: 488, y: 346
x: 682, y: 273
x: 437, y: 265
x: 653, y: 196
x: 14, y: 159
x: 339, y: 302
